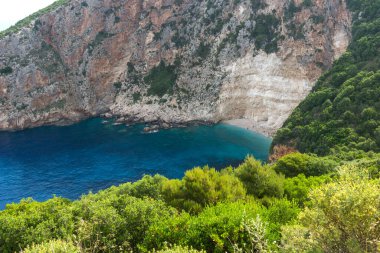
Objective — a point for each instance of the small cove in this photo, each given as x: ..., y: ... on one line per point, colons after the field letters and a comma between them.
x: 72, y: 160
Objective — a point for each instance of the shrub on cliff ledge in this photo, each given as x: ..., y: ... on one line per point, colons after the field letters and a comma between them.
x: 266, y: 33
x: 161, y: 80
x: 6, y: 71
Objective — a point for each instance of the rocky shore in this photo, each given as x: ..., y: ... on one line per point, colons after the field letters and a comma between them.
x: 151, y: 126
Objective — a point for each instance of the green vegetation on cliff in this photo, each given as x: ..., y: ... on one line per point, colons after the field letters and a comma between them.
x: 343, y: 112
x: 6, y: 71
x: 161, y: 79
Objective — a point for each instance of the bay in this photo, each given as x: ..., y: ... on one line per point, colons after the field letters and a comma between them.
x: 72, y: 160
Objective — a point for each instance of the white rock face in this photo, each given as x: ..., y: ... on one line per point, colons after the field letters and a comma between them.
x: 341, y: 41
x: 263, y: 89
x: 260, y: 92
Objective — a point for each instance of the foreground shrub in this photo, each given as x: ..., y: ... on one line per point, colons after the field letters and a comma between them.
x: 343, y: 215
x: 116, y: 222
x: 179, y: 249
x: 371, y: 163
x: 215, y: 229
x: 148, y: 186
x: 201, y: 187
x: 56, y: 246
x: 298, y: 188
x: 34, y: 222
x: 260, y: 181
x: 256, y: 236
x: 296, y: 163
x: 296, y: 239
x: 173, y: 231
x: 279, y: 213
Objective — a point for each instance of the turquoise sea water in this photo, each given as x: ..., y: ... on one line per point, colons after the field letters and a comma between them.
x: 73, y: 160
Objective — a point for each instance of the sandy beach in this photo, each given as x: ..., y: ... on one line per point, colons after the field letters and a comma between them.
x: 249, y: 124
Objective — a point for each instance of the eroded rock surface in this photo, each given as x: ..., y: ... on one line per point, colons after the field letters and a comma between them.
x: 169, y: 60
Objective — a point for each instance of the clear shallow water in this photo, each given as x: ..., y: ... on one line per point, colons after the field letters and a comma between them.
x: 72, y: 160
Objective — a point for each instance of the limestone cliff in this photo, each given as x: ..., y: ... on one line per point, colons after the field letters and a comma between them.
x: 169, y: 60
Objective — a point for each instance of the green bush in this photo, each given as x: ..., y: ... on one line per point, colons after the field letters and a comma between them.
x: 296, y: 163
x: 56, y: 246
x: 117, y: 85
x: 179, y: 249
x: 307, y: 3
x: 166, y: 231
x: 370, y: 163
x: 201, y: 187
x: 256, y: 241
x: 343, y: 216
x: 148, y: 186
x: 279, y: 212
x: 136, y: 97
x: 298, y: 188
x: 34, y: 222
x: 215, y: 229
x: 291, y: 9
x: 114, y: 222
x: 260, y: 181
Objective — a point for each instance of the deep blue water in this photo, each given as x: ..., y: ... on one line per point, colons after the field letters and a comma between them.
x: 72, y: 160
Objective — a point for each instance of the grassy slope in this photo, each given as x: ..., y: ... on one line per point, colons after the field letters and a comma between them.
x: 26, y: 21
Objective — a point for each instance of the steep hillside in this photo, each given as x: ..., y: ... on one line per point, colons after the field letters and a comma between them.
x: 343, y: 112
x: 169, y: 60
